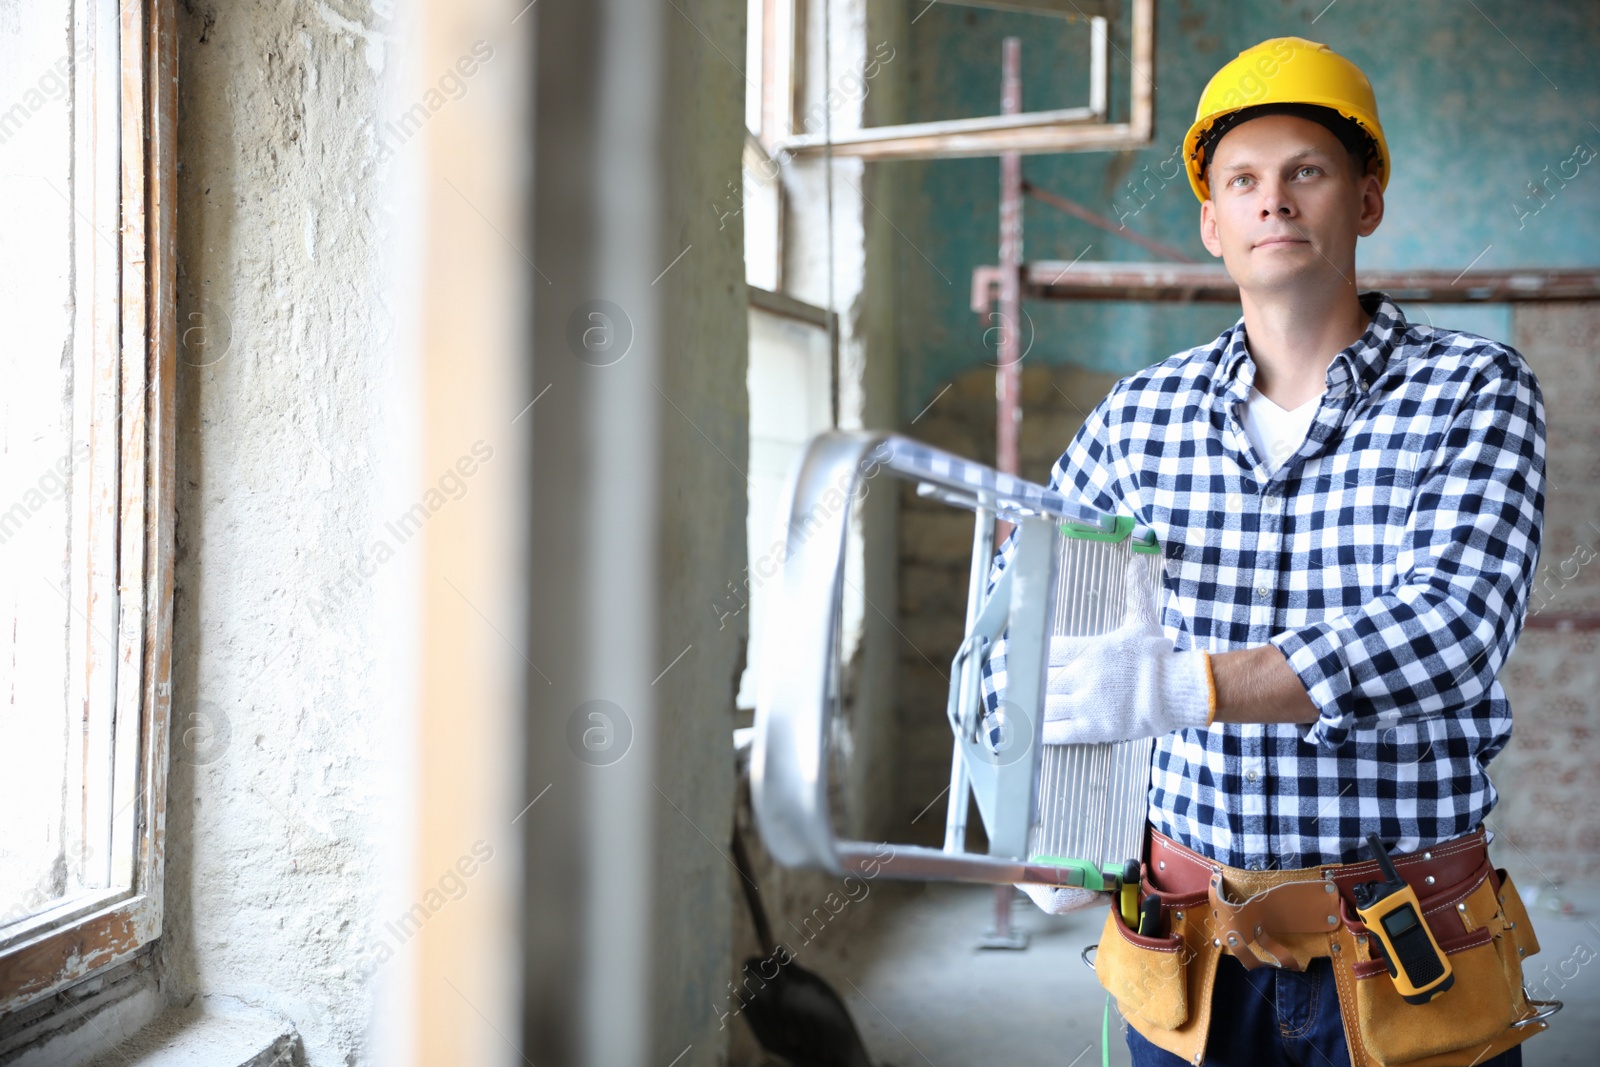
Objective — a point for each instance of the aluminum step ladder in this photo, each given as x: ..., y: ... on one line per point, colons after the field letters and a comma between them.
x: 1066, y: 815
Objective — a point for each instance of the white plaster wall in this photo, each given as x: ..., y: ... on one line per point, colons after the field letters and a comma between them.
x: 283, y: 757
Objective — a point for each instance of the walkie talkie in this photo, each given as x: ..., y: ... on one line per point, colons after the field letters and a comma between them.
x: 1393, y: 916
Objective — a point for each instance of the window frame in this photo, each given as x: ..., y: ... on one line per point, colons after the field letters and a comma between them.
x: 133, y: 352
x: 1061, y: 130
x: 774, y: 58
x: 779, y: 57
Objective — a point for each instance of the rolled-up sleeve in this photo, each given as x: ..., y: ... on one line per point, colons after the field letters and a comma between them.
x: 1433, y: 643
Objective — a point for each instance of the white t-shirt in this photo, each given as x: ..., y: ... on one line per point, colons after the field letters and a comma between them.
x: 1277, y: 434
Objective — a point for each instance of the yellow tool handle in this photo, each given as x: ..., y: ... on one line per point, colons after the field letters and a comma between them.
x: 1128, y: 895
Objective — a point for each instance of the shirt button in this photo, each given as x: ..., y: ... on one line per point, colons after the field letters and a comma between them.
x: 1253, y: 865
x: 1262, y: 592
x: 1251, y: 776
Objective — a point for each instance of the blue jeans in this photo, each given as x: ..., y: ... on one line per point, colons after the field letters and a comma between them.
x: 1267, y: 1017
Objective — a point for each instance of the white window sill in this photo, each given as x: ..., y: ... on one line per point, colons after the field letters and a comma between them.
x: 207, y: 1032
x: 210, y: 1032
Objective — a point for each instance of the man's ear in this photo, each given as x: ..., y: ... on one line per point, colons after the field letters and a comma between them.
x: 1208, y: 229
x: 1371, y: 206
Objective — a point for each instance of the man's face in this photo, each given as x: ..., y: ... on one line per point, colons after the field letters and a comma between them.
x: 1286, y: 206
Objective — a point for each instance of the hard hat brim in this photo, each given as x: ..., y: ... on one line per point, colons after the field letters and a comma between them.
x: 1196, y: 136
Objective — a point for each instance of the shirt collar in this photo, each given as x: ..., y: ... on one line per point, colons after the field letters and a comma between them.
x: 1358, y: 366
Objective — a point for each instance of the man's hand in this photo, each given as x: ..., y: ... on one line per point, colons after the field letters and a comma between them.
x: 1058, y: 900
x: 1127, y: 683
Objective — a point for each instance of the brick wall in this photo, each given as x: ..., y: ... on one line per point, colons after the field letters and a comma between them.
x: 1549, y: 813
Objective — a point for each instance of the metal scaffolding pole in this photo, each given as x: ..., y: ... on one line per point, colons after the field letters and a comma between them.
x: 1008, y: 380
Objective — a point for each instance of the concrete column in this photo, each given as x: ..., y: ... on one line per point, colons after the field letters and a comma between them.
x: 637, y: 524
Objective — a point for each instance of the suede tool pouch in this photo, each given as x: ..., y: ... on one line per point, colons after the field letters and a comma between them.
x: 1473, y: 1017
x: 1145, y: 974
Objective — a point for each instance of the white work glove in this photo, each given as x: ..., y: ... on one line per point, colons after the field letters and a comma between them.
x: 1128, y: 683
x: 1058, y: 900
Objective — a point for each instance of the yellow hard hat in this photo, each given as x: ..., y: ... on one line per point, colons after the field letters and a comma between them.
x: 1284, y: 70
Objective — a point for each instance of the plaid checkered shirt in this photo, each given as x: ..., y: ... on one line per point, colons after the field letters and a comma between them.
x: 1391, y: 559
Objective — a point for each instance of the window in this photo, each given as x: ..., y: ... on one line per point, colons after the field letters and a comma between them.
x: 87, y: 107
x: 770, y: 61
x: 791, y: 390
x: 791, y: 369
x: 1062, y: 129
x: 762, y: 207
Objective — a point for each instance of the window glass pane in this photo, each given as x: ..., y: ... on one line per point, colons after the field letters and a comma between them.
x: 789, y: 402
x: 39, y: 819
x: 760, y: 206
x: 1055, y: 59
x: 752, y: 66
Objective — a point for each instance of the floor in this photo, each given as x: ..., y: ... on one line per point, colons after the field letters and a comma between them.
x: 923, y: 996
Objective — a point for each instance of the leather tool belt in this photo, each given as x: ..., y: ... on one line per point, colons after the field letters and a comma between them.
x: 1286, y: 918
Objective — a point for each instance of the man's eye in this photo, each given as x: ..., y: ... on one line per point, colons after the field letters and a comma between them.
x: 1309, y: 170
x: 1239, y: 181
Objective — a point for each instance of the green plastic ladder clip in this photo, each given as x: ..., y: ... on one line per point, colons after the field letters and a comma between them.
x: 1120, y: 532
x: 1088, y: 877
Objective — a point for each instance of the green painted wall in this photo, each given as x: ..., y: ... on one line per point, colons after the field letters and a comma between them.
x: 1477, y: 102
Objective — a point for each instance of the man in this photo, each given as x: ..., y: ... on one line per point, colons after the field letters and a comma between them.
x: 1350, y: 506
